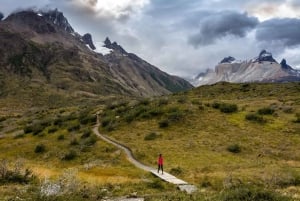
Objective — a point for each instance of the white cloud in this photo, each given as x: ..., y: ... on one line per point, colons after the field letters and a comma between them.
x: 112, y: 8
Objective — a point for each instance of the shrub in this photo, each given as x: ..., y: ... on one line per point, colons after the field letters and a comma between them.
x: 88, y: 119
x: 156, y: 184
x: 163, y: 123
x: 176, y: 171
x: 144, y: 102
x: 297, y: 115
x: 255, y: 118
x: 175, y: 116
x: 151, y: 136
x: 61, y: 137
x: 74, y: 142
x: 58, y: 122
x: 228, y: 108
x: 182, y: 100
x: 266, y: 111
x: 86, y: 134
x: 288, y: 110
x: 74, y: 126
x: 107, y: 121
x: 2, y: 119
x: 70, y: 155
x: 215, y: 105
x: 250, y: 194
x: 40, y: 148
x: 234, y: 148
x: 162, y: 102
x: 91, y: 141
x: 14, y: 175
x: 52, y: 130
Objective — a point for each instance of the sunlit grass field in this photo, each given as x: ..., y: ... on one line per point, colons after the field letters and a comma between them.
x: 230, y: 140
x: 197, y: 137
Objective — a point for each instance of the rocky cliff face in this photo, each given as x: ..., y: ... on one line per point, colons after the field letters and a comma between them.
x: 42, y: 50
x: 263, y: 68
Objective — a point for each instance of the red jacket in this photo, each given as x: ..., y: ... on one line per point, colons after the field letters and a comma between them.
x: 160, y: 161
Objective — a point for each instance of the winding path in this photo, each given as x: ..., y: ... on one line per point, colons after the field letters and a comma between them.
x: 182, y: 185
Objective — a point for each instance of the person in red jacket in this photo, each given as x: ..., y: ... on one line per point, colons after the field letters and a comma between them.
x: 160, y: 163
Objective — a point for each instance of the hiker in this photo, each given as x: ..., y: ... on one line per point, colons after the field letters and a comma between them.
x: 160, y: 163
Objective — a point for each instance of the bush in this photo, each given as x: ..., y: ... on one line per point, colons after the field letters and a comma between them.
x: 182, y: 100
x: 88, y: 119
x: 52, y: 130
x: 107, y: 121
x: 234, y: 148
x: 40, y: 148
x: 251, y: 194
x: 34, y: 128
x: 151, y: 136
x: 216, y: 105
x: 74, y: 142
x: 297, y: 118
x: 156, y: 184
x: 163, y: 123
x: 74, y: 126
x: 266, y: 111
x: 14, y: 175
x: 176, y: 171
x: 61, y: 137
x: 162, y: 102
x: 255, y: 118
x: 86, y: 134
x: 228, y: 108
x: 2, y: 119
x: 91, y: 141
x: 70, y: 155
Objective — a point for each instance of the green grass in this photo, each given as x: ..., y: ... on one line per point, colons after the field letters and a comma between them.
x: 225, y: 155
x: 204, y: 142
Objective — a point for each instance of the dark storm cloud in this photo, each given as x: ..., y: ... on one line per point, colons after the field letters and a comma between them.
x: 221, y: 24
x: 286, y: 31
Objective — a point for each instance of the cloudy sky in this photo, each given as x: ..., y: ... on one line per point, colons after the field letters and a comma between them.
x: 185, y: 37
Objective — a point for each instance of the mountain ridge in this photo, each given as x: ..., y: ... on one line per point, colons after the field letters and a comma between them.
x: 47, y: 52
x: 263, y: 68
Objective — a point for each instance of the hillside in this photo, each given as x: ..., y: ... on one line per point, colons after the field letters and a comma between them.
x: 230, y: 140
x: 42, y: 57
x: 219, y: 136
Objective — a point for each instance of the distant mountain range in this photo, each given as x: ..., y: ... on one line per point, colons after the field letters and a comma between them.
x: 263, y: 68
x: 40, y: 53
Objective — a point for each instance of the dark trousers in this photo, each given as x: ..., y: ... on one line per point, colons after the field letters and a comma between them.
x: 160, y: 167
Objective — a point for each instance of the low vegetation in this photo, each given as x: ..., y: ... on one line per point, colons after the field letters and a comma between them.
x: 233, y: 141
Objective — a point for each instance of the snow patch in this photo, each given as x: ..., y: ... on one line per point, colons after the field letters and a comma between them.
x: 101, y: 49
x: 40, y: 14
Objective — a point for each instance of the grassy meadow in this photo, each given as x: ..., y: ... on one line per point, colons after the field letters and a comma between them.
x: 217, y: 137
x: 233, y: 141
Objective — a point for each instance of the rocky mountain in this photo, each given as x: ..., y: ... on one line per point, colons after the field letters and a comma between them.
x: 263, y: 68
x: 40, y: 53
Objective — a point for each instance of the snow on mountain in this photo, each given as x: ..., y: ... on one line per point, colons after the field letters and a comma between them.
x: 263, y: 68
x: 101, y: 49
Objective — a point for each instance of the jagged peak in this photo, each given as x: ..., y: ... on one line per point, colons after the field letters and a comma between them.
x: 285, y: 66
x: 1, y: 16
x: 264, y: 55
x: 58, y: 18
x: 107, y: 41
x: 54, y: 17
x: 228, y: 59
x: 114, y: 46
x: 87, y: 39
